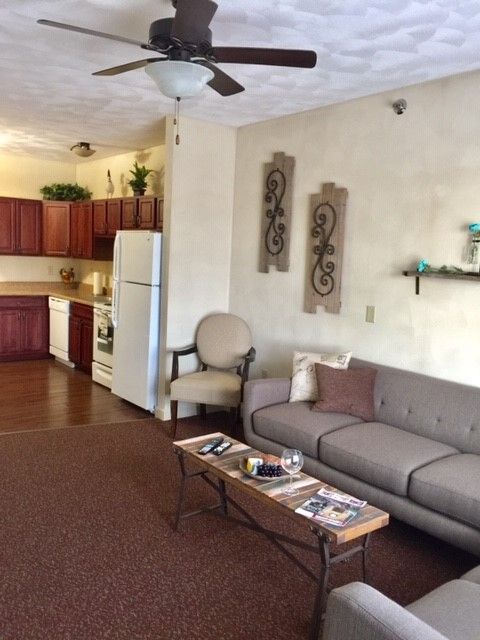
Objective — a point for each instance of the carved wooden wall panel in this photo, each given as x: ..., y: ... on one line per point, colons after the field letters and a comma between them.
x: 277, y: 213
x: 327, y: 232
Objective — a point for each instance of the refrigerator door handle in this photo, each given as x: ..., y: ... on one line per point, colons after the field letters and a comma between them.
x: 117, y: 256
x: 115, y: 302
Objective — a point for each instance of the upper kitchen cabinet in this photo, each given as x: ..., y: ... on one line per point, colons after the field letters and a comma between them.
x: 56, y: 228
x: 81, y: 232
x: 20, y: 227
x: 107, y: 217
x: 159, y: 220
x: 138, y: 213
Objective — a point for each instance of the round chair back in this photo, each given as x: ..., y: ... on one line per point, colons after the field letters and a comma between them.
x: 223, y: 340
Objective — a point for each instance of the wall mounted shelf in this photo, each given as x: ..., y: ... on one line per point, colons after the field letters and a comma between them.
x: 449, y: 276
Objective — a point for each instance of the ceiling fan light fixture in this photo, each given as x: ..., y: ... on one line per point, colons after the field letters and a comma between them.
x: 179, y: 79
x: 83, y: 149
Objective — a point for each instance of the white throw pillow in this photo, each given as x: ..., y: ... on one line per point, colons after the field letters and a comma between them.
x: 304, y: 382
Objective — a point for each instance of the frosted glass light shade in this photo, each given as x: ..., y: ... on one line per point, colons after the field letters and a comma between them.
x: 82, y: 149
x: 178, y: 79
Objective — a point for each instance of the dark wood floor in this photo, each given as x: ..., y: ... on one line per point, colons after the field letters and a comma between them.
x: 42, y: 394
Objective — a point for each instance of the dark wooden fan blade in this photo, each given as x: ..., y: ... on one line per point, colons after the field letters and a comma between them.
x: 122, y: 68
x: 90, y: 32
x: 276, y: 57
x: 192, y: 19
x: 221, y: 82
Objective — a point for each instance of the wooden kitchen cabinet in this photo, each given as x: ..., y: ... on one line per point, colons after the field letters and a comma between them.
x: 20, y: 227
x: 56, y: 228
x: 138, y: 213
x: 159, y: 217
x: 80, y: 337
x: 81, y: 231
x: 23, y: 327
x: 107, y: 217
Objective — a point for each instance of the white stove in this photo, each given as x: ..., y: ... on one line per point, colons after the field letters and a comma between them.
x: 102, y: 342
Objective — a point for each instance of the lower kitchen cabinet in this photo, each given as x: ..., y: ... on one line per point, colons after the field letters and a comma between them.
x: 23, y: 327
x: 80, y: 337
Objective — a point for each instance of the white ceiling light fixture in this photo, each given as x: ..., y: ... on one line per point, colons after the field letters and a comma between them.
x: 179, y: 79
x: 83, y: 149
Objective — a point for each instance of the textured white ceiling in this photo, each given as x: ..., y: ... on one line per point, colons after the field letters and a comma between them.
x: 50, y: 99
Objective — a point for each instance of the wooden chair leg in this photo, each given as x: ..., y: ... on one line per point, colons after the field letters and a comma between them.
x: 173, y: 411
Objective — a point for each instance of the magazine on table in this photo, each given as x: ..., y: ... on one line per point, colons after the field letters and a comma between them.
x: 331, y: 506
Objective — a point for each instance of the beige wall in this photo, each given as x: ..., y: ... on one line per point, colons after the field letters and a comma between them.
x: 40, y: 269
x: 413, y: 183
x: 22, y: 176
x: 93, y: 173
x: 200, y: 177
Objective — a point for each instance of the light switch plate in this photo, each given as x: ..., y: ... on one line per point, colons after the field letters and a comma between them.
x: 370, y: 314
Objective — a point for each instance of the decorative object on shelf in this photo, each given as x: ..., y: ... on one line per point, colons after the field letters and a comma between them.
x: 68, y: 277
x: 83, y: 149
x: 327, y: 236
x: 473, y: 253
x: 139, y: 180
x: 277, y: 213
x: 110, y: 188
x: 424, y: 267
x: 65, y: 191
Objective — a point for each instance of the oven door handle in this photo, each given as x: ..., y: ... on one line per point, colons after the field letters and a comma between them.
x: 115, y: 303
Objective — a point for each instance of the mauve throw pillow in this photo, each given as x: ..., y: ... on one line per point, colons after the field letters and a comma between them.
x: 346, y: 391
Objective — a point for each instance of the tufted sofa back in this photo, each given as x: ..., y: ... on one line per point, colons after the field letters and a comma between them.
x: 438, y: 409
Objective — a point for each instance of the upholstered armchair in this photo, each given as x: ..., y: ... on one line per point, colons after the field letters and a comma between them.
x: 224, y: 348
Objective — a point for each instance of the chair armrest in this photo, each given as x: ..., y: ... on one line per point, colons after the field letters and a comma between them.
x: 263, y: 393
x: 359, y: 612
x: 176, y: 354
x: 250, y: 357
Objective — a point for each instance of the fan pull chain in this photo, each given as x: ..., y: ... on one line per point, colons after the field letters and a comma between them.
x: 176, y: 120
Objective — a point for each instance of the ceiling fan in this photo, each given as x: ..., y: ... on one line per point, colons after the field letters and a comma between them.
x: 189, y: 59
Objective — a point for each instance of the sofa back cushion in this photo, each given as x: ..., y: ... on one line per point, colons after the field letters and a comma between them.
x: 439, y: 409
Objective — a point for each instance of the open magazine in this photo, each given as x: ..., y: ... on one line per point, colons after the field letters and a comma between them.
x: 331, y: 506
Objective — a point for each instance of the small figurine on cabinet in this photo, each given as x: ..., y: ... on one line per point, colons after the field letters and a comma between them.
x: 110, y: 188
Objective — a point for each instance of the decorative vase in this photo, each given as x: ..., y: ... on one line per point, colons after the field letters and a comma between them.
x: 139, y: 192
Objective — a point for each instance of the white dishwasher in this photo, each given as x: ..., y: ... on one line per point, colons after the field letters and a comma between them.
x: 59, y: 322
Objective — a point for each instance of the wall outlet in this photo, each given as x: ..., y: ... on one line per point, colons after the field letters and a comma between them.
x: 264, y: 373
x: 370, y: 314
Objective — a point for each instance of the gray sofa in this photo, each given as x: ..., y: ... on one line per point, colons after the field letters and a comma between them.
x: 451, y: 612
x: 419, y: 459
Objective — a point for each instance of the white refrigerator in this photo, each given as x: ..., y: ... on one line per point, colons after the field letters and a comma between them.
x: 137, y: 258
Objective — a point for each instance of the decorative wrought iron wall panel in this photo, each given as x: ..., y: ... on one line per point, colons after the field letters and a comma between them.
x: 277, y: 213
x: 327, y: 234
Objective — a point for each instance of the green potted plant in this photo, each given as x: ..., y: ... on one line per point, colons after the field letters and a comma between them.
x: 139, y: 180
x: 65, y: 191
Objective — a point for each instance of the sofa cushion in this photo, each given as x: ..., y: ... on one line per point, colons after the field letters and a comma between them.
x: 304, y: 383
x: 294, y: 425
x: 473, y: 575
x: 349, y: 391
x: 450, y: 486
x: 452, y: 609
x: 380, y: 454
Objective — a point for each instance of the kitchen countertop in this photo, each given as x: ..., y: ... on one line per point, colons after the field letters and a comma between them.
x: 80, y: 292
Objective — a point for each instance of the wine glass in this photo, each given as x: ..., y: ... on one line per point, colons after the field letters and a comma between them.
x: 292, y: 462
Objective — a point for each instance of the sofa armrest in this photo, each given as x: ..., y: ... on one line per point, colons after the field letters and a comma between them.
x: 263, y: 393
x: 359, y: 612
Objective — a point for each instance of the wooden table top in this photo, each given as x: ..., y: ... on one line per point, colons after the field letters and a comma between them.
x: 227, y: 468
